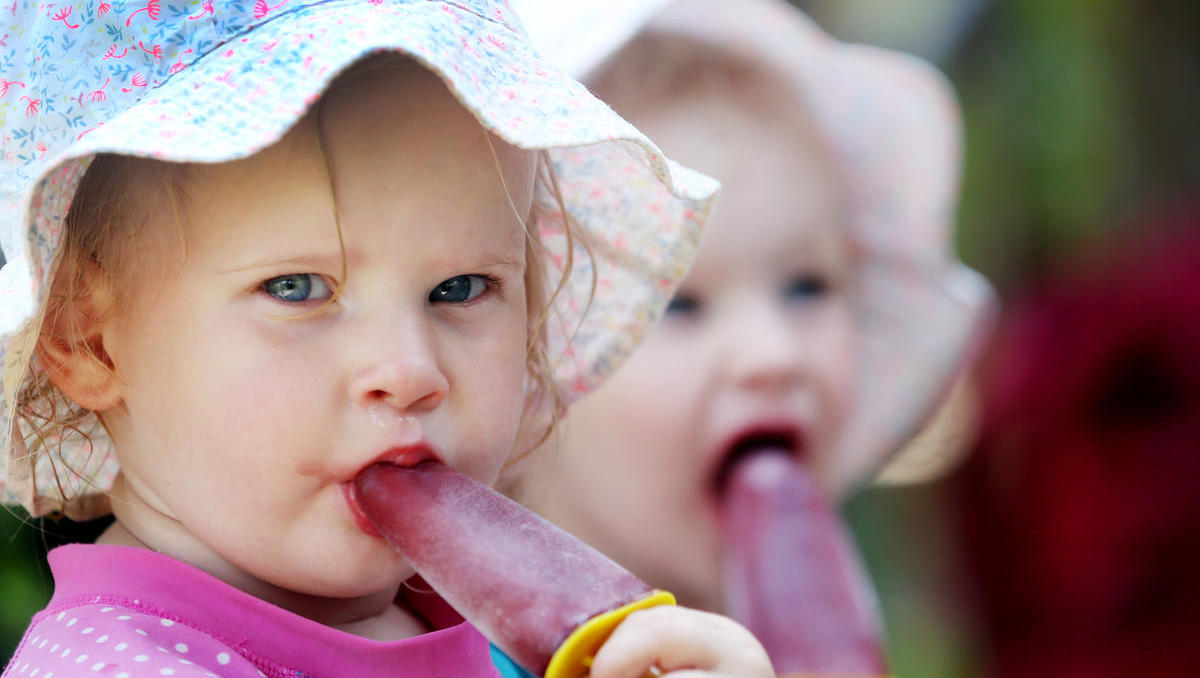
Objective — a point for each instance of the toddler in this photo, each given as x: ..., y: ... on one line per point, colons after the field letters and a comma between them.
x: 826, y: 314
x: 254, y: 249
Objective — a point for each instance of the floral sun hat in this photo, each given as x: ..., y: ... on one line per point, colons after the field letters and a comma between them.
x: 212, y: 81
x: 892, y: 124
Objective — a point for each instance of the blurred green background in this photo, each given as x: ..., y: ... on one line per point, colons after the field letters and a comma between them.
x: 1078, y: 113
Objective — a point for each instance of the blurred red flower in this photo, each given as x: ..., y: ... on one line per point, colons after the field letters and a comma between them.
x: 1081, y: 503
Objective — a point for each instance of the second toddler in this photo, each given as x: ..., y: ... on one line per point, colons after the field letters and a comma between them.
x: 825, y: 317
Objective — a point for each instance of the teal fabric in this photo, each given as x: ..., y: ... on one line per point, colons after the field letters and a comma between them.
x: 508, y: 668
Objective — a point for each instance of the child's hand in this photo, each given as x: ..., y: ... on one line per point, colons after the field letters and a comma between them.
x: 683, y: 643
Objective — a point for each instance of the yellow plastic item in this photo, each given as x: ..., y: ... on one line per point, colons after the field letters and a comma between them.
x: 573, y: 658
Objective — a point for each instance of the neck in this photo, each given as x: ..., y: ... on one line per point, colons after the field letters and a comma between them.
x: 375, y: 615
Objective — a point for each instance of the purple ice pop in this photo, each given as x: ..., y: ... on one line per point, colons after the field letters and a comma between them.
x: 522, y: 581
x: 791, y: 575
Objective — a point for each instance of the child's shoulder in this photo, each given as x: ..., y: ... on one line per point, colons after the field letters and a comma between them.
x: 114, y: 613
x: 117, y: 639
x: 120, y: 610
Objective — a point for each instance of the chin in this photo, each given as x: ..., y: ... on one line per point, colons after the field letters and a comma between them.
x: 705, y: 596
x: 356, y: 572
x: 350, y: 584
x: 698, y: 585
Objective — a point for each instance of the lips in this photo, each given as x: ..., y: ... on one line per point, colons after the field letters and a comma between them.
x: 767, y: 438
x: 360, y: 518
x: 404, y: 457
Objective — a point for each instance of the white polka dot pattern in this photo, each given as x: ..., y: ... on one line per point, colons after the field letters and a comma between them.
x: 106, y: 640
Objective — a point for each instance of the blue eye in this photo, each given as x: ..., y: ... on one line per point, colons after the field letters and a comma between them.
x: 806, y: 287
x: 459, y: 289
x: 297, y: 287
x: 682, y: 304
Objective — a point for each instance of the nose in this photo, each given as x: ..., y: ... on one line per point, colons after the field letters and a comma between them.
x: 762, y: 350
x: 401, y: 369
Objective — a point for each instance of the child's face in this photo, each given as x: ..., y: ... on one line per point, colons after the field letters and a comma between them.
x: 249, y: 400
x: 758, y: 342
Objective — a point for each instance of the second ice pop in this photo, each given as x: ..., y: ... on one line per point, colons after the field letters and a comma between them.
x: 792, y: 577
x: 542, y: 596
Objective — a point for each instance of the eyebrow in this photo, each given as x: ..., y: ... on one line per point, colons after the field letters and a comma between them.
x: 498, y: 259
x: 316, y: 261
x: 325, y: 261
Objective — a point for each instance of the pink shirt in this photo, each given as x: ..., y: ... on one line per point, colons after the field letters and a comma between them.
x: 122, y: 612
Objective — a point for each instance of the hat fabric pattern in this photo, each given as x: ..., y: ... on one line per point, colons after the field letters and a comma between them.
x: 213, y: 81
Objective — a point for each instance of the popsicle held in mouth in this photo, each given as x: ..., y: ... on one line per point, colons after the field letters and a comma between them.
x: 542, y: 596
x: 791, y: 576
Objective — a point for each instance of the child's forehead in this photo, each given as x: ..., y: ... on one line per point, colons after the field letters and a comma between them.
x: 352, y: 162
x: 768, y: 158
x: 699, y: 116
x: 783, y: 196
x: 668, y: 65
x: 677, y: 87
x: 295, y: 153
x: 384, y: 114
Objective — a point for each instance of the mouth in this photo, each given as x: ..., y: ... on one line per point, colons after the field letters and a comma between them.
x: 406, y: 457
x: 360, y: 519
x: 786, y: 440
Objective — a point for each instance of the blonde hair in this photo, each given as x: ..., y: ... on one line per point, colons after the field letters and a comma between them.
x: 100, y: 251
x: 97, y: 253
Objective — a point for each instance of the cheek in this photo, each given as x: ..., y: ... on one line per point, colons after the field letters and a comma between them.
x: 187, y: 368
x: 839, y: 359
x: 648, y: 406
x: 496, y: 362
x: 487, y: 384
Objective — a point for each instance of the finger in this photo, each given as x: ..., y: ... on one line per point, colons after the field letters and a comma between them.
x: 678, y: 639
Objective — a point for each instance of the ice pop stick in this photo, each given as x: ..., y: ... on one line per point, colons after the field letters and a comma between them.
x: 542, y: 596
x: 792, y: 577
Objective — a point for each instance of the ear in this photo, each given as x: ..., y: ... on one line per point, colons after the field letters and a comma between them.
x: 71, y: 348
